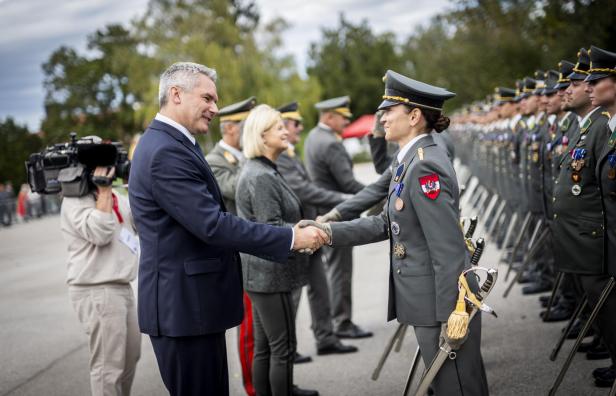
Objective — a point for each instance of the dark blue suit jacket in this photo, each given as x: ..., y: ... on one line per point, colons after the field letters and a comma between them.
x: 190, y: 280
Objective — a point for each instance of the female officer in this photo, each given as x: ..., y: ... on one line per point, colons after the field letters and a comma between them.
x: 421, y: 218
x: 601, y: 89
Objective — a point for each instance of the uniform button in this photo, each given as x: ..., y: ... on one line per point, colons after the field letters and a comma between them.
x: 555, y: 215
x: 553, y: 199
x: 556, y: 182
x: 399, y: 271
x: 594, y: 233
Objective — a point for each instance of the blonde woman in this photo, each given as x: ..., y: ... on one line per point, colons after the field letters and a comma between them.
x: 263, y: 196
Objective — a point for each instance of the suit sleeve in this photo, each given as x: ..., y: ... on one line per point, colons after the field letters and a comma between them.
x: 308, y: 192
x: 440, y: 223
x: 360, y: 231
x: 181, y: 189
x: 226, y: 176
x: 341, y: 169
x: 380, y: 157
x: 366, y: 198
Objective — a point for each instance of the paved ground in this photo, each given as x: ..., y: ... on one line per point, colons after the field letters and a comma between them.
x: 43, y: 350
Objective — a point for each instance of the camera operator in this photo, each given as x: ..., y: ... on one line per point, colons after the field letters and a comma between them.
x: 102, y: 261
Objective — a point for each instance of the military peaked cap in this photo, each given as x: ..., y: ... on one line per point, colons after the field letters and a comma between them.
x: 602, y: 63
x: 539, y: 82
x: 502, y: 95
x: 564, y: 68
x: 528, y: 87
x: 340, y: 105
x: 290, y: 111
x: 580, y: 70
x: 400, y: 89
x: 237, y: 111
x: 551, y: 82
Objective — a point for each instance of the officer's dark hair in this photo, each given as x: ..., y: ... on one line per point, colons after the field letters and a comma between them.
x: 435, y: 120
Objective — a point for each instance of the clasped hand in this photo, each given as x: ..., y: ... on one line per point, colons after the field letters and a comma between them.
x: 310, y: 236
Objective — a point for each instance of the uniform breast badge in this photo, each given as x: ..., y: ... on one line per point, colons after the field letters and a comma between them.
x: 399, y: 250
x: 395, y: 228
x: 576, y: 190
x: 399, y: 204
x: 230, y: 158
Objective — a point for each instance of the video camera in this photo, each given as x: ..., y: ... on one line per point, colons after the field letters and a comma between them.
x: 68, y: 167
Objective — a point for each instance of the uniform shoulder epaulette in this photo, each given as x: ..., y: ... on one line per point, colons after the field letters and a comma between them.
x: 420, y: 153
x: 607, y: 114
x: 230, y: 158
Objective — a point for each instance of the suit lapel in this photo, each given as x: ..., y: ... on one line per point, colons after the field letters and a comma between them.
x: 179, y: 136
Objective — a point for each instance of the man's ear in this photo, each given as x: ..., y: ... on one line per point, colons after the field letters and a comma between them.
x: 174, y: 95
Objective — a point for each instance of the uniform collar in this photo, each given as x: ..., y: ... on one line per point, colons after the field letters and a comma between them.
x: 587, y: 116
x: 612, y: 123
x: 176, y: 125
x: 326, y: 127
x: 407, y: 147
x: 551, y: 119
x: 236, y: 153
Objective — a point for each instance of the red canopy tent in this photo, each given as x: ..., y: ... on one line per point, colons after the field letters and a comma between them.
x: 360, y: 127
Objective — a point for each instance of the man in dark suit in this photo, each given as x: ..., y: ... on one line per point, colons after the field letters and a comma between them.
x: 190, y: 281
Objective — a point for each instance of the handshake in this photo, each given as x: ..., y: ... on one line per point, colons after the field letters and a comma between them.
x: 310, y: 236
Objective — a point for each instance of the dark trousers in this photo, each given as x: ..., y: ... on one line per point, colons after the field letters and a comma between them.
x: 340, y: 273
x: 606, y: 320
x: 318, y: 300
x: 463, y: 376
x: 193, y: 365
x: 275, y: 343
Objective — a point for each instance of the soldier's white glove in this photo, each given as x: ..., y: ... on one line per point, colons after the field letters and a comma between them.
x: 323, y: 226
x: 332, y: 215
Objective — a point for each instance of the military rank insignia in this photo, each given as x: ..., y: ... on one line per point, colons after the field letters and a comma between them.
x: 230, y: 158
x: 430, y: 186
x: 585, y: 126
x: 612, y: 140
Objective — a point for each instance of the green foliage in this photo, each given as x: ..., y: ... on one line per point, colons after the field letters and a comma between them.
x: 351, y: 60
x: 16, y: 144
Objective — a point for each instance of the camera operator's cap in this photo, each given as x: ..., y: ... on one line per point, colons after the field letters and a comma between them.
x: 602, y: 63
x: 539, y: 82
x: 503, y: 95
x: 564, y: 68
x: 237, y: 112
x: 400, y: 89
x: 340, y: 105
x: 290, y: 111
x: 551, y: 82
x: 580, y: 70
x: 528, y: 87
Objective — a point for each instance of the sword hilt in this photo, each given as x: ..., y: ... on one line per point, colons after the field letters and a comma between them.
x: 479, y: 246
x: 471, y: 228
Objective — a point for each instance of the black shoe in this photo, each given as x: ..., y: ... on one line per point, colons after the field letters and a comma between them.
x: 607, y: 380
x: 297, y: 391
x: 587, y: 346
x: 557, y: 314
x: 353, y: 331
x: 603, y: 371
x: 577, y: 327
x: 544, y: 300
x: 528, y: 277
x: 537, y: 287
x: 336, y: 348
x: 299, y: 358
x: 598, y: 353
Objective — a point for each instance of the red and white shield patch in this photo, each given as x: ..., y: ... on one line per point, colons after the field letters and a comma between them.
x: 430, y: 185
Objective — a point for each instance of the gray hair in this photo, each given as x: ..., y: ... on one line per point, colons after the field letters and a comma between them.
x: 182, y: 75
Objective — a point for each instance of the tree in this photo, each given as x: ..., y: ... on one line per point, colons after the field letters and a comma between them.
x: 352, y: 60
x: 16, y: 145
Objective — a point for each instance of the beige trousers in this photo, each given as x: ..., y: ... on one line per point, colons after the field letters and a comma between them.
x: 108, y: 314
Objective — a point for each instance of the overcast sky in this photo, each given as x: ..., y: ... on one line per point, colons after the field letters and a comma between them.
x: 30, y: 30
